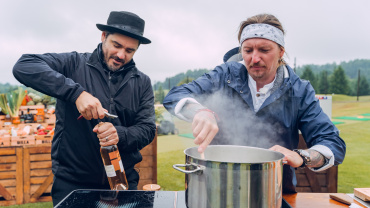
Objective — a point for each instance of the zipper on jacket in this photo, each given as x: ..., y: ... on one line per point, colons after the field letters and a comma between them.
x: 111, y: 99
x: 110, y: 94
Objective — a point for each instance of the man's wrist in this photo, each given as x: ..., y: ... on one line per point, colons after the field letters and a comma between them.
x: 208, y: 110
x: 189, y: 110
x: 305, y: 155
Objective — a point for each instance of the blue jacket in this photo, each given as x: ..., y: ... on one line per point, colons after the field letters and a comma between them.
x: 290, y: 108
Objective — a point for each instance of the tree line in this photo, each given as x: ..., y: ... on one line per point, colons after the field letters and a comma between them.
x: 326, y: 79
x: 335, y: 78
x: 337, y: 82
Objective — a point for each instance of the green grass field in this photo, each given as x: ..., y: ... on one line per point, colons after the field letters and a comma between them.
x: 353, y: 173
x: 355, y: 170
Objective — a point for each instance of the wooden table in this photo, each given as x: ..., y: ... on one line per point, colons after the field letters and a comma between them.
x: 317, y: 200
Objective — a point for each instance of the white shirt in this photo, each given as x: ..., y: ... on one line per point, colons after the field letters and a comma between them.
x: 260, y: 96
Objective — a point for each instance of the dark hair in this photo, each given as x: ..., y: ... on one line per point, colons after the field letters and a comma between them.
x: 107, y: 33
x: 263, y: 19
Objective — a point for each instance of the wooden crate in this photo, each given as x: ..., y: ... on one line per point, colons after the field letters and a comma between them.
x: 22, y: 140
x: 33, y: 109
x: 148, y: 166
x: 50, y: 118
x: 319, y: 182
x: 11, y: 175
x: 25, y: 174
x: 2, y: 120
x: 37, y: 175
x: 4, y: 141
x: 43, y: 139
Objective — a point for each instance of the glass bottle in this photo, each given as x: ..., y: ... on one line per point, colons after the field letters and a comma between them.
x: 8, y: 120
x: 113, y: 167
x: 22, y: 117
x: 28, y: 118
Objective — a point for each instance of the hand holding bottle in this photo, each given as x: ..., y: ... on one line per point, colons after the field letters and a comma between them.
x: 114, y: 169
x: 106, y: 133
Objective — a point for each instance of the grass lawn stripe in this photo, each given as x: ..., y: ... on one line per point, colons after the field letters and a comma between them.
x: 352, y: 118
x: 337, y: 122
x: 190, y: 135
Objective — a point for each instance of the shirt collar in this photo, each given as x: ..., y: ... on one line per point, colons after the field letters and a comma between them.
x: 264, y: 89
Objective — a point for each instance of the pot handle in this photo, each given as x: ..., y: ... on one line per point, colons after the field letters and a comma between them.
x: 199, y: 169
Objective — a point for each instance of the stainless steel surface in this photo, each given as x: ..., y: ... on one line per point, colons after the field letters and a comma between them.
x: 110, y: 115
x: 106, y: 115
x: 234, y: 176
x: 366, y: 204
x: 198, y: 169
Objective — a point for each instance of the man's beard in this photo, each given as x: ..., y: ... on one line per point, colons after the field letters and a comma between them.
x: 113, y: 67
x: 258, y: 74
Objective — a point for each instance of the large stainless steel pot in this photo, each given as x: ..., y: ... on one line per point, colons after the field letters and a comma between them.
x: 232, y: 176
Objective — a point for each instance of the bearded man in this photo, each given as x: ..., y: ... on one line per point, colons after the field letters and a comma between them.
x: 90, y: 84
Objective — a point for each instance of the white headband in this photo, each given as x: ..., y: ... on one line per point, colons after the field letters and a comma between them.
x: 265, y: 31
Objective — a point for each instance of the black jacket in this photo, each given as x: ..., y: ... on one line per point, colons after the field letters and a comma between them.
x: 126, y: 93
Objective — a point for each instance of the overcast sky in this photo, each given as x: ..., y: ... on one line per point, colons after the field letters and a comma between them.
x: 189, y: 34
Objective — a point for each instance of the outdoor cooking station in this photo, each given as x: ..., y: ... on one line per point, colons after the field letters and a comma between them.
x: 176, y: 199
x: 22, y: 187
x: 216, y: 194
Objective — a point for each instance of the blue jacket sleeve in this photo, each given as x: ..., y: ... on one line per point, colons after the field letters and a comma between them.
x: 48, y: 73
x: 317, y: 128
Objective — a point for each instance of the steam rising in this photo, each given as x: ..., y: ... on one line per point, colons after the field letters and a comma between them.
x: 239, y: 124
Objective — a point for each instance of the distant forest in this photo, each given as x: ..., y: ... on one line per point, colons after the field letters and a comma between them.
x: 326, y: 79
x: 186, y: 77
x: 350, y: 68
x: 348, y: 85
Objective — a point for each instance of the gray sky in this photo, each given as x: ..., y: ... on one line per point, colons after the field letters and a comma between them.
x: 185, y: 35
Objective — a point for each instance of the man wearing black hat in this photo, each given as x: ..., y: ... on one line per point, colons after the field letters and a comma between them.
x: 89, y: 84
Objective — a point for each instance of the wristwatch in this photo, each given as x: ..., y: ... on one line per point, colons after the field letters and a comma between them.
x: 305, y: 156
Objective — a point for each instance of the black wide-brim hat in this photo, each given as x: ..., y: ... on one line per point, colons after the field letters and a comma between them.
x: 125, y: 23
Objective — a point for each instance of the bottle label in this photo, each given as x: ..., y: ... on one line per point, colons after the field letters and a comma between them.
x: 121, y: 166
x: 115, y: 160
x: 113, y: 155
x: 109, y: 169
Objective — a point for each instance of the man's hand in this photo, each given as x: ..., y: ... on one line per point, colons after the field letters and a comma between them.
x: 291, y: 158
x: 106, y: 133
x: 89, y: 106
x: 204, y: 129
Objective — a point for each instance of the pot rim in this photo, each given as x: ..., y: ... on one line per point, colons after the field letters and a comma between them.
x: 281, y: 155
